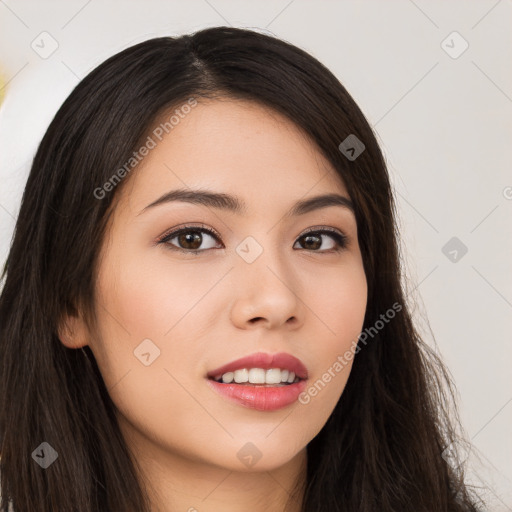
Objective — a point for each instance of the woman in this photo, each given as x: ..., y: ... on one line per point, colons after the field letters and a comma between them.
x: 203, y: 307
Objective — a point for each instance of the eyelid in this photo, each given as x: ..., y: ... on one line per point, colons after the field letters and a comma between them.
x: 316, y: 229
x: 188, y: 227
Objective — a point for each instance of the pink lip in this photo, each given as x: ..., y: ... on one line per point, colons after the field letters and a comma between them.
x: 265, y: 361
x: 262, y: 398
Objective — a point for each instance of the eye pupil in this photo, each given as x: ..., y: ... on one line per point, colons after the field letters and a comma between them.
x: 317, y: 241
x: 191, y: 237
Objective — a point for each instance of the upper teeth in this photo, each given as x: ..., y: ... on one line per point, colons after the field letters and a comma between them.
x: 258, y: 376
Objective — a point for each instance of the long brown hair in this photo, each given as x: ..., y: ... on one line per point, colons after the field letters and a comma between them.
x: 384, y: 446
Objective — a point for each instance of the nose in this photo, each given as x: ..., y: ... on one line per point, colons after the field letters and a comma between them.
x: 266, y: 294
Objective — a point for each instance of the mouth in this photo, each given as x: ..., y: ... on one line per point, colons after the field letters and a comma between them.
x: 261, y: 369
x: 271, y: 377
x: 262, y: 381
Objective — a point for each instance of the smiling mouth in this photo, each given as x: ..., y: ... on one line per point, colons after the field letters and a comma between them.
x: 272, y: 377
x: 261, y: 381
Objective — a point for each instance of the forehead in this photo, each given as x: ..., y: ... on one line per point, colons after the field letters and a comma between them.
x: 238, y: 147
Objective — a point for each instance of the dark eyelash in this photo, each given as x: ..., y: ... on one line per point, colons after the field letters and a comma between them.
x: 341, y: 239
x: 173, y: 234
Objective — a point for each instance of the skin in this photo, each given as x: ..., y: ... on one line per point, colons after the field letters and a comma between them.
x: 309, y: 302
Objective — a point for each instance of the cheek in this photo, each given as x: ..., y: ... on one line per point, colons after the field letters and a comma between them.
x: 150, y: 314
x: 339, y: 304
x: 339, y: 301
x: 155, y: 298
x: 342, y: 308
x: 147, y: 312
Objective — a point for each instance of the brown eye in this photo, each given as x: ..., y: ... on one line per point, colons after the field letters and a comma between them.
x: 189, y: 239
x: 313, y: 240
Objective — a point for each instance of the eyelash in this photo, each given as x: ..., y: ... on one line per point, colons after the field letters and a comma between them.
x: 339, y: 238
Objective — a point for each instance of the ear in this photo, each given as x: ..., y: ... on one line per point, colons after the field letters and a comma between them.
x: 72, y: 331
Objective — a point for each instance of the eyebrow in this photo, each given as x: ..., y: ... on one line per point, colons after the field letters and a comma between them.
x: 236, y: 205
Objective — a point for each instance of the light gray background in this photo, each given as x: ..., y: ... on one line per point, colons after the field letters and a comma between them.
x: 444, y: 124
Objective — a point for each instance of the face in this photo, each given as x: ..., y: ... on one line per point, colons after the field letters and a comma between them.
x: 258, y: 282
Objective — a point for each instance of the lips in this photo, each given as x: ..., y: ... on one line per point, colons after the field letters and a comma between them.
x: 264, y: 361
